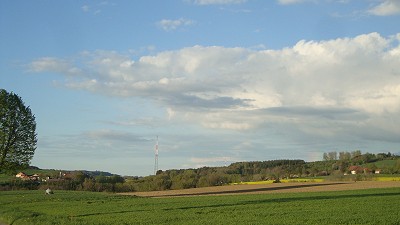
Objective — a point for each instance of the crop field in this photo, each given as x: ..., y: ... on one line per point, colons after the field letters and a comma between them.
x: 270, y: 188
x: 387, y: 178
x: 283, y: 181
x: 366, y: 206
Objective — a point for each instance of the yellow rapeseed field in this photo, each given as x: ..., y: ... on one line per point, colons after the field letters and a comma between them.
x: 386, y: 178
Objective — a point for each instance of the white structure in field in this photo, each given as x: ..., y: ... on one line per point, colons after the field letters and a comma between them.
x: 156, y: 157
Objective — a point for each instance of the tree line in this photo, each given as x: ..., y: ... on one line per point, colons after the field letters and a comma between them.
x: 76, y: 180
x: 336, y: 163
x: 262, y: 170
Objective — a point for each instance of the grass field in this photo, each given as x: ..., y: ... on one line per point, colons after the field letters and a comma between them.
x: 368, y: 206
x: 384, y: 163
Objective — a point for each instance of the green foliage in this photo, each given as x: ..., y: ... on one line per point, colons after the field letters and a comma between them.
x: 5, y: 178
x: 76, y: 180
x: 384, y: 163
x: 373, y: 206
x: 390, y: 166
x: 17, y: 132
x: 250, y: 168
x: 17, y: 184
x: 234, y: 173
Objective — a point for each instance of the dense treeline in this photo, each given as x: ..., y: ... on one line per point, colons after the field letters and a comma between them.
x: 215, y: 176
x: 77, y: 180
x: 334, y: 163
x: 341, y: 161
x: 357, y: 157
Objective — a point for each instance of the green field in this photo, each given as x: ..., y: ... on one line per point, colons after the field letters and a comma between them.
x: 384, y: 163
x: 372, y: 206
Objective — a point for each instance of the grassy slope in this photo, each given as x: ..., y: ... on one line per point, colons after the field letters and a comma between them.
x: 373, y: 206
x: 384, y: 163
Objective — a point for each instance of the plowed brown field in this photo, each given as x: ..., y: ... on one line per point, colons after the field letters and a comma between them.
x: 270, y: 188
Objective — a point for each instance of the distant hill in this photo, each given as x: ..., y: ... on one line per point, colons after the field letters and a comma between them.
x: 336, y: 165
x: 98, y: 173
x: 35, y: 169
x: 384, y: 163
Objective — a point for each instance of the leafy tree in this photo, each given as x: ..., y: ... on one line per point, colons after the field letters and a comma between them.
x: 116, y: 179
x: 355, y: 154
x: 344, y: 156
x: 343, y: 165
x: 185, y: 179
x: 162, y: 182
x: 79, y: 177
x: 330, y: 156
x: 17, y: 132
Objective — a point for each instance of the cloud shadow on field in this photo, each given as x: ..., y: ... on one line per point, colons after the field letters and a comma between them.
x: 109, y: 213
x: 281, y: 200
x: 251, y: 190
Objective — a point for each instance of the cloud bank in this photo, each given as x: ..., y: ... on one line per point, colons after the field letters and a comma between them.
x: 386, y: 8
x: 339, y: 87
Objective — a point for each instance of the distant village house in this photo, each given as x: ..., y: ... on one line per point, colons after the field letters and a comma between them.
x: 24, y: 176
x: 360, y: 170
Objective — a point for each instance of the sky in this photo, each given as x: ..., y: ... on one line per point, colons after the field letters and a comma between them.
x: 218, y: 81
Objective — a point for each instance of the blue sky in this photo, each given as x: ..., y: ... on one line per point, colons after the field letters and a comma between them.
x: 218, y: 81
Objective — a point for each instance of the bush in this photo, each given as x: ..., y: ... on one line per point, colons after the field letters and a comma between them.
x: 17, y: 184
x: 277, y: 181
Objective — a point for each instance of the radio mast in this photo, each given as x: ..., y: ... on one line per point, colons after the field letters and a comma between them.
x: 156, y: 157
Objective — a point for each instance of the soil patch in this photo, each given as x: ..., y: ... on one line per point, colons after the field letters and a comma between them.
x: 269, y: 188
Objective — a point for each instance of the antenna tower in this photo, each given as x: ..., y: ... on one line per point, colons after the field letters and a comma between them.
x: 156, y: 157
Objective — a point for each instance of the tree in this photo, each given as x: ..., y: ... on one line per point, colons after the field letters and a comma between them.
x: 325, y: 156
x: 162, y: 182
x: 332, y: 155
x: 17, y: 132
x: 79, y: 177
x: 344, y: 156
x: 355, y: 154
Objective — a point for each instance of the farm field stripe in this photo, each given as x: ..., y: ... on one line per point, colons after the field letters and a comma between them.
x: 369, y: 206
x: 269, y: 188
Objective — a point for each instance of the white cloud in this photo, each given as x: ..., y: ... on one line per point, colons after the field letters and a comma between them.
x: 386, y: 8
x: 385, y: 99
x: 323, y: 87
x: 169, y: 25
x: 48, y: 64
x: 85, y: 8
x: 53, y: 64
x: 218, y: 2
x: 96, y: 9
